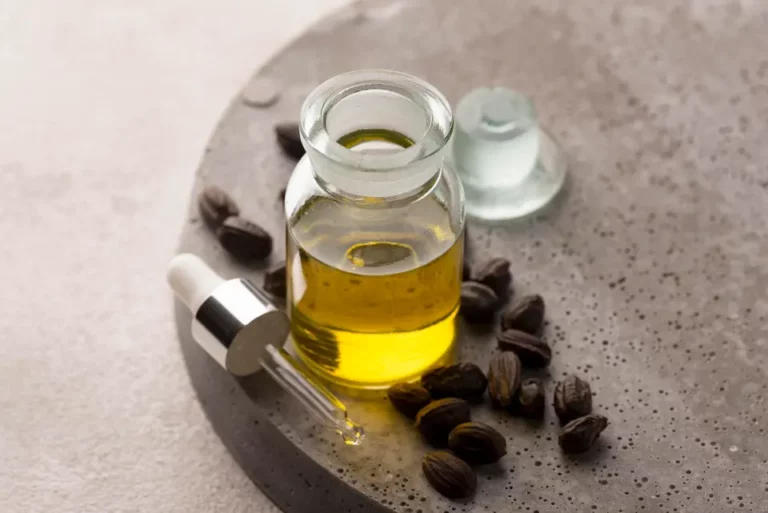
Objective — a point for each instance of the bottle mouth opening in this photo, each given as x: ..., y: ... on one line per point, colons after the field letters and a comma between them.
x: 375, y: 120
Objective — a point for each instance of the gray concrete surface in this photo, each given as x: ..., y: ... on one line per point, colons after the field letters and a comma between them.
x: 105, y: 108
x: 652, y: 262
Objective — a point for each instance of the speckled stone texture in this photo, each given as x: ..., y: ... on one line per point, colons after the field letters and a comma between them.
x: 652, y: 262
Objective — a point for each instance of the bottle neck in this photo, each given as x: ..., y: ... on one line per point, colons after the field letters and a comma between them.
x: 376, y: 134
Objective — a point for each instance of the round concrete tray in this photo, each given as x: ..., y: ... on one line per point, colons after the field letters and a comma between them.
x: 653, y: 265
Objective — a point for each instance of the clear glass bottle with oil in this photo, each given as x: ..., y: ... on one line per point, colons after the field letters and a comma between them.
x: 375, y: 221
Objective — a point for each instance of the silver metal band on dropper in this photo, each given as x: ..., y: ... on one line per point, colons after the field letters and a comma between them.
x: 229, y: 309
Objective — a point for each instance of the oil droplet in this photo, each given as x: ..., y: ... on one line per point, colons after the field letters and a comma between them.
x: 351, y: 432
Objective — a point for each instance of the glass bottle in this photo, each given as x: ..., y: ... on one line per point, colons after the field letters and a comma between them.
x: 375, y: 221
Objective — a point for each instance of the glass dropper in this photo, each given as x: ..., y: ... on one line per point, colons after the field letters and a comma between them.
x: 240, y: 328
x: 315, y: 397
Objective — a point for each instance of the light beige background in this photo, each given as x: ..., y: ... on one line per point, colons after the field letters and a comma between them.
x: 105, y: 108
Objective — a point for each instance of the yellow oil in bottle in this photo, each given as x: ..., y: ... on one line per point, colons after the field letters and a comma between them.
x: 373, y: 292
x: 371, y: 308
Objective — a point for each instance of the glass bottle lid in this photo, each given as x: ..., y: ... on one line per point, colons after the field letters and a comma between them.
x: 509, y: 165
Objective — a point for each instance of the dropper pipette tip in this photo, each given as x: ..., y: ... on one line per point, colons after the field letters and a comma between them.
x: 351, y: 432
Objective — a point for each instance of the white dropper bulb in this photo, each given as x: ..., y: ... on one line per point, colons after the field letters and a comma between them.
x: 192, y: 280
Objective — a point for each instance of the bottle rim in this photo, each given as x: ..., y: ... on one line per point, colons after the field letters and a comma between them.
x: 431, y: 144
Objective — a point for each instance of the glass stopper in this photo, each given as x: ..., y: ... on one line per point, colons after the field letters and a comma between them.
x: 509, y: 165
